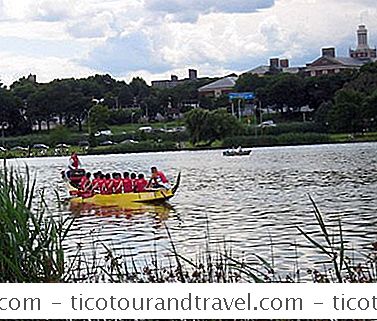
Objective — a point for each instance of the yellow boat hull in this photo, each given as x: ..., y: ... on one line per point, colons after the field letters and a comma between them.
x: 125, y: 200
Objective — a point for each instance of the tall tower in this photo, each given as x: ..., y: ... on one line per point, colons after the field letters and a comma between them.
x: 362, y: 50
x: 362, y: 38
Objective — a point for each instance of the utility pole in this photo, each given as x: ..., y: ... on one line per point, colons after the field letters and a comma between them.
x: 4, y: 127
x: 239, y: 109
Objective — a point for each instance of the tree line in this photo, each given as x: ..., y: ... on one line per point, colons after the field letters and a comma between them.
x: 341, y: 102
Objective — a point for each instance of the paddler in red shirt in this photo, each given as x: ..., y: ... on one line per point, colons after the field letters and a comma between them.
x: 102, y: 184
x: 109, y: 183
x: 85, y: 183
x: 141, y: 184
x: 158, y: 178
x: 127, y: 183
x: 133, y: 180
x: 117, y: 183
x: 96, y: 188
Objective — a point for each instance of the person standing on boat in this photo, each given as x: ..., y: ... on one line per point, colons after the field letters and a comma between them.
x: 73, y: 164
x: 158, y: 178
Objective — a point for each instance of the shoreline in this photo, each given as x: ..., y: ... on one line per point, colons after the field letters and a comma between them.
x: 188, y: 149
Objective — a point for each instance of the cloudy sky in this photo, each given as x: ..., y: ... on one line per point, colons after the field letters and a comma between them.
x: 155, y: 38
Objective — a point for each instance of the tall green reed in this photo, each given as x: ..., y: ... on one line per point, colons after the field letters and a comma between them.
x: 343, y: 268
x: 30, y: 239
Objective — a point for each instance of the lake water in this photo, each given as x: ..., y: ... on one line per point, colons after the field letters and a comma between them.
x: 252, y: 203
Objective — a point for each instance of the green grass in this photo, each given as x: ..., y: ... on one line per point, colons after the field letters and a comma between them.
x: 31, y: 243
x: 342, y: 138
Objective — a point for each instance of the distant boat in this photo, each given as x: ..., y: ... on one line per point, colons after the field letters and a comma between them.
x: 237, y: 152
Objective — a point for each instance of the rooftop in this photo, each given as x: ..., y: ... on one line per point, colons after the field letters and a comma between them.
x: 226, y: 82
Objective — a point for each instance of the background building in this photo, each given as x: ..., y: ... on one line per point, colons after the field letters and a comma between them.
x: 174, y: 81
x: 363, y: 51
x: 329, y: 63
x: 276, y: 65
x: 219, y: 87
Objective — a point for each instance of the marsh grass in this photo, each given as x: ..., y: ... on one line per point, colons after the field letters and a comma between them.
x: 340, y: 266
x: 31, y: 240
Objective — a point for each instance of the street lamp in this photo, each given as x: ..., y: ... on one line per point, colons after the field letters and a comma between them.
x: 4, y: 127
x: 132, y: 117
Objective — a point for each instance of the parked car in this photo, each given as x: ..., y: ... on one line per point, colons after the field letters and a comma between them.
x: 106, y: 132
x: 267, y: 123
x: 20, y: 148
x: 146, y: 129
x: 107, y: 143
x: 129, y: 141
x: 40, y: 146
x: 62, y: 146
x: 84, y: 143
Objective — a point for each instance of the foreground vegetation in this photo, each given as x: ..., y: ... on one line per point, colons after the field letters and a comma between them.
x: 31, y: 243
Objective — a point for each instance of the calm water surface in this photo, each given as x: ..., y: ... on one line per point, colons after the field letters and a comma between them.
x: 250, y: 202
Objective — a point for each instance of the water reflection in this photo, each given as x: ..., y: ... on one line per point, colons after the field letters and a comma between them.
x: 161, y: 211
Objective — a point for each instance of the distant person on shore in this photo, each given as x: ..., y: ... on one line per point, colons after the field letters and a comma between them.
x: 158, y: 179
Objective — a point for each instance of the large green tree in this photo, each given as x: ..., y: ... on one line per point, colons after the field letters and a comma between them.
x: 347, y: 112
x: 207, y: 126
x: 286, y: 91
x: 98, y: 118
x: 370, y: 111
x: 11, y: 113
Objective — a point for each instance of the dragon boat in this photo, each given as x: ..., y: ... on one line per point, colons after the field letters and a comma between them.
x: 122, y: 200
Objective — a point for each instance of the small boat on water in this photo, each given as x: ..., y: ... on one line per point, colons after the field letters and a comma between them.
x: 237, y: 152
x: 123, y: 200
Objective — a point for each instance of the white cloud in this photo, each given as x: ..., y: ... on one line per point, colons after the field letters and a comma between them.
x: 189, y: 10
x: 162, y: 37
x: 13, y: 67
x: 97, y: 26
